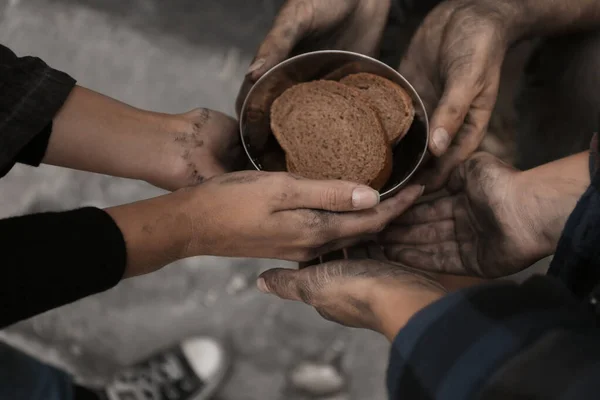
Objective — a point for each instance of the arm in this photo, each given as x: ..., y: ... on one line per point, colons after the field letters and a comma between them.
x: 55, y: 258
x: 44, y: 117
x: 95, y: 133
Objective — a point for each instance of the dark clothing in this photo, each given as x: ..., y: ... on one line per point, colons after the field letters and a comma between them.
x: 48, y: 259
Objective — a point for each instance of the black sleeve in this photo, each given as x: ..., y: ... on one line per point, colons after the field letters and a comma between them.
x: 31, y: 93
x: 52, y: 259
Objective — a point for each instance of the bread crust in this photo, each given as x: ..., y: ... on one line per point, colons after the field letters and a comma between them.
x: 399, y: 115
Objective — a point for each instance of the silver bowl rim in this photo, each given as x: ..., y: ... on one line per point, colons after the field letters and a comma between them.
x: 290, y: 60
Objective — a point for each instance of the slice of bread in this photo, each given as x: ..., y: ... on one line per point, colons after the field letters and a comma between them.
x: 328, y: 131
x: 392, y: 104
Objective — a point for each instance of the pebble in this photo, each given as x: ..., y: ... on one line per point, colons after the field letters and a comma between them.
x: 317, y: 379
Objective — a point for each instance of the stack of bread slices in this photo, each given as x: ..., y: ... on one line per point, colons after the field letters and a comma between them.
x: 342, y: 130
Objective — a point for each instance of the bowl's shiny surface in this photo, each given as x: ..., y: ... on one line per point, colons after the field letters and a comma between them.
x: 260, y: 144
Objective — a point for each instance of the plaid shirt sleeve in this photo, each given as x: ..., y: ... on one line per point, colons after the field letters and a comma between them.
x: 499, y: 341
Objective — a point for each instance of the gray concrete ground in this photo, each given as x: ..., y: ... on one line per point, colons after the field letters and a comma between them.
x: 169, y: 56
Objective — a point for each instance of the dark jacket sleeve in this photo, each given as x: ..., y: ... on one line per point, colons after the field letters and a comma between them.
x: 52, y: 259
x: 500, y: 341
x: 31, y: 93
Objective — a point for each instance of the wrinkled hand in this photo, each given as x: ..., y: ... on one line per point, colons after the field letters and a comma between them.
x: 454, y: 62
x: 489, y: 225
x: 278, y: 215
x: 370, y: 294
x: 309, y: 25
x: 202, y: 144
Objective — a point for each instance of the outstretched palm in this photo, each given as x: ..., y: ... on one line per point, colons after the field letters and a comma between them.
x: 480, y: 228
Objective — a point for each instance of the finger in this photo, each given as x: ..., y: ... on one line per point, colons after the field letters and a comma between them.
x: 332, y: 195
x: 466, y: 143
x: 281, y: 282
x: 450, y: 114
x: 429, y: 233
x: 376, y: 219
x: 441, y: 257
x: 434, y: 211
x: 290, y: 284
x: 290, y: 26
x: 422, y: 85
x: 242, y: 94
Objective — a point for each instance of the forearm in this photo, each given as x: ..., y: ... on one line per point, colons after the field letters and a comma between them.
x: 549, y: 17
x: 552, y: 191
x: 95, y: 133
x: 157, y: 231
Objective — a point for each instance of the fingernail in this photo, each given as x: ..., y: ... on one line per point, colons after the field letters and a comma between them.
x: 262, y: 285
x: 256, y: 65
x: 363, y: 198
x: 441, y: 139
x: 422, y: 190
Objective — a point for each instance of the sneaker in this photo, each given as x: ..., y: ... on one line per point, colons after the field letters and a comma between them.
x: 193, y: 370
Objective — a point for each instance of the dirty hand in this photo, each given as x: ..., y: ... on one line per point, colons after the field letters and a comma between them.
x: 202, y: 144
x: 494, y: 222
x: 308, y: 25
x: 454, y: 62
x: 282, y: 216
x: 370, y: 294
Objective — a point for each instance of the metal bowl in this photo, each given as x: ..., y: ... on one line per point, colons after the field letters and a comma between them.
x: 261, y: 146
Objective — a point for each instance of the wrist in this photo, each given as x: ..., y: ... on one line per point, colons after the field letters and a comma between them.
x: 398, y: 306
x: 545, y: 197
x: 157, y: 232
x: 171, y: 169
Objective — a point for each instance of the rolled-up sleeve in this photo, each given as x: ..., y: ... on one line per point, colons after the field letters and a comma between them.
x: 31, y: 94
x: 477, y: 343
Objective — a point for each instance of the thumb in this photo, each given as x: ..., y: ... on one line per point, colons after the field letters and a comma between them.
x: 334, y: 195
x: 450, y: 115
x: 287, y: 284
x: 290, y: 26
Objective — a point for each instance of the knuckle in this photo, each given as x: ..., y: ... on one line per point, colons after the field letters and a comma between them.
x: 280, y: 180
x: 331, y: 199
x: 305, y: 292
x: 455, y: 111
